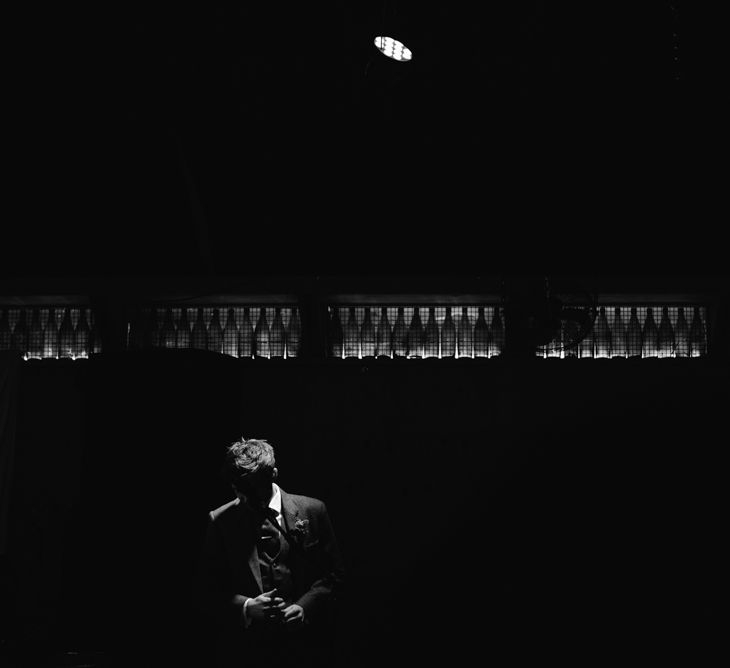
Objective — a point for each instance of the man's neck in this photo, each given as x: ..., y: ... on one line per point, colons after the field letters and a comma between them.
x: 271, y: 496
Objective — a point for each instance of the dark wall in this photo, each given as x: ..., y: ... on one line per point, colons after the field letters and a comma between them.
x: 45, y: 490
x: 513, y: 510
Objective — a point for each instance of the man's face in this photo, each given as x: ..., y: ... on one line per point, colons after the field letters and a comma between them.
x: 255, y: 488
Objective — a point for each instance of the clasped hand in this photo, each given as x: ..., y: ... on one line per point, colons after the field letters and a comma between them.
x: 272, y: 609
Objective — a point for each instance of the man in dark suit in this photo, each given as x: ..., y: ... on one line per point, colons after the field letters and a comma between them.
x: 270, y: 569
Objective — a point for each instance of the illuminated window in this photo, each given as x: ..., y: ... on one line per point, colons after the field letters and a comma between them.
x: 637, y: 331
x: 260, y: 331
x: 49, y: 331
x: 415, y: 331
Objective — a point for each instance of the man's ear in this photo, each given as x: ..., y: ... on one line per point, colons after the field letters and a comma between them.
x: 275, y: 474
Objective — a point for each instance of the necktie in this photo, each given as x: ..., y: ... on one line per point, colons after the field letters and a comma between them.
x: 269, y: 542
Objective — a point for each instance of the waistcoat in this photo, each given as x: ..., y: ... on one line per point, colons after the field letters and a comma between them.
x: 275, y: 571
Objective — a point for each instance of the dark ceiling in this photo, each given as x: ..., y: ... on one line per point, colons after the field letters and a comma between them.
x: 238, y: 138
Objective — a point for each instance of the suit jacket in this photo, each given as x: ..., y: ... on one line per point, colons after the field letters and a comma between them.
x: 229, y: 571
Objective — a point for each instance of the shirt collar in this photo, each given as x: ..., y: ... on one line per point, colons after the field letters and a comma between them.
x: 275, y: 502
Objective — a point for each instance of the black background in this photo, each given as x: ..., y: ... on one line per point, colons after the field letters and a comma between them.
x: 519, y: 512
x: 512, y: 511
x: 256, y: 140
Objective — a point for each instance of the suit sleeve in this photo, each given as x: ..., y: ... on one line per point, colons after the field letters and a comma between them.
x: 213, y: 589
x: 327, y: 586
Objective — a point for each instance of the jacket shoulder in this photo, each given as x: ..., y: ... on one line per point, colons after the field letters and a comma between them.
x: 308, y: 502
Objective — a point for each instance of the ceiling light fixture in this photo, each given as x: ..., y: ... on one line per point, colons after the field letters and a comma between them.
x: 392, y: 48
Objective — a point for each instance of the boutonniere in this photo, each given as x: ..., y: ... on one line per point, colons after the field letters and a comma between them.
x: 300, y: 529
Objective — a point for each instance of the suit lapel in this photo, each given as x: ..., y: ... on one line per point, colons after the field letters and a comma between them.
x: 253, y: 564
x: 289, y: 510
